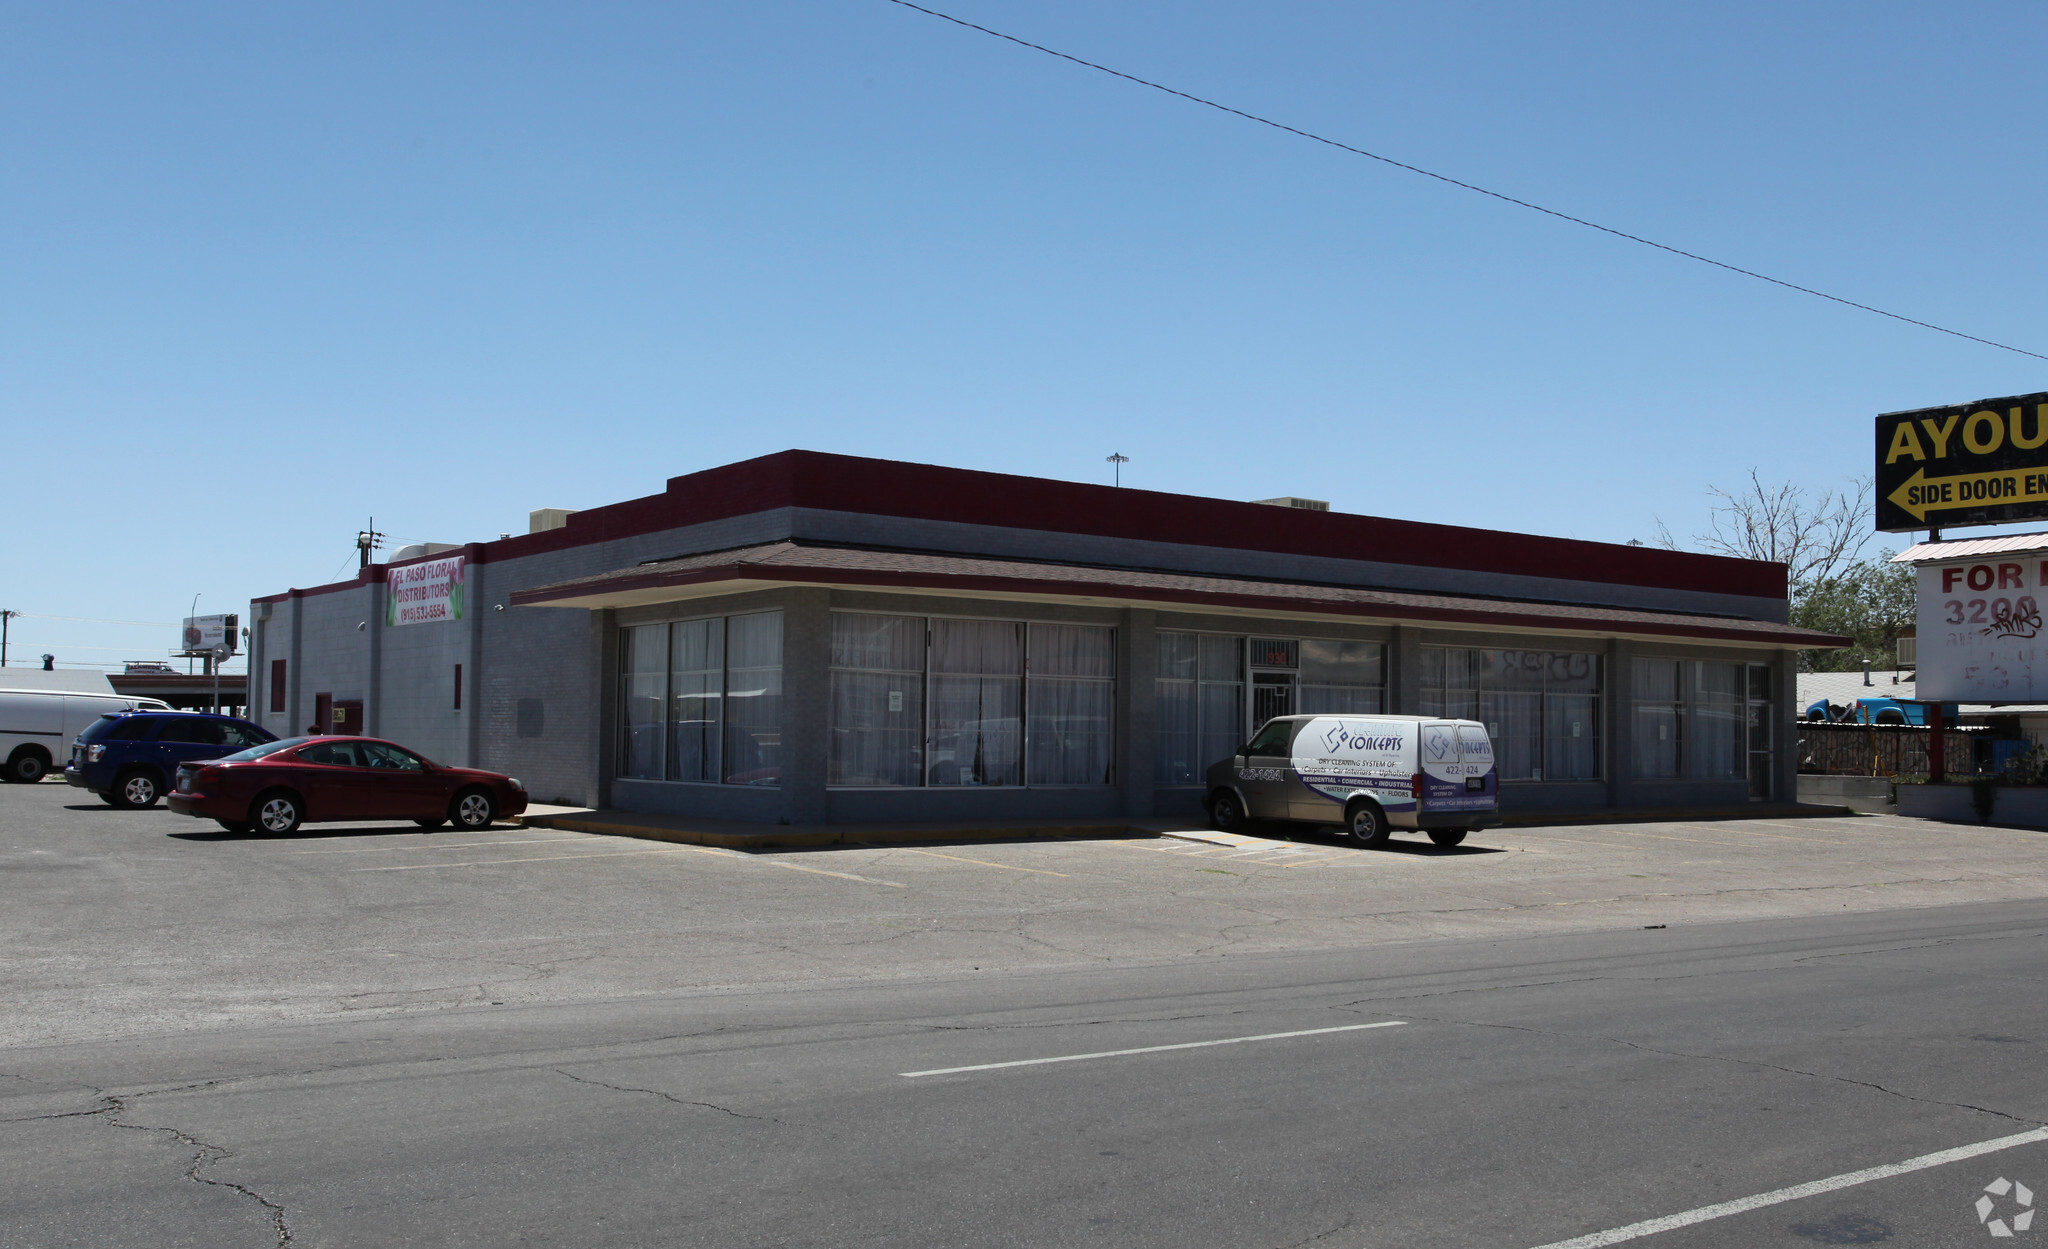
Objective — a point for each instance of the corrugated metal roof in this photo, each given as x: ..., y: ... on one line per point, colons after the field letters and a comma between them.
x: 1964, y: 548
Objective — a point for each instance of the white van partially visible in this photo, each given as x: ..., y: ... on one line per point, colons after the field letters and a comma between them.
x: 37, y: 726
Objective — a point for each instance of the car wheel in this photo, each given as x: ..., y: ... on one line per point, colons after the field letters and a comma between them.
x: 1891, y: 717
x: 1447, y: 836
x: 1226, y: 813
x: 430, y: 825
x: 136, y: 790
x: 234, y: 826
x: 1366, y: 823
x: 473, y: 809
x: 27, y: 766
x: 277, y: 813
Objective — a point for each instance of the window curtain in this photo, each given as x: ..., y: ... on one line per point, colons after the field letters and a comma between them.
x: 877, y: 716
x: 1174, y: 720
x: 976, y: 695
x: 643, y: 682
x: 1071, y: 696
x: 753, y: 699
x: 1657, y: 735
x: 1540, y: 708
x: 695, y: 699
x: 1222, y: 701
x: 1717, y: 721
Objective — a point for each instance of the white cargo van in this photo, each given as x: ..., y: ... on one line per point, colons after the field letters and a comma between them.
x: 37, y: 726
x: 1371, y: 774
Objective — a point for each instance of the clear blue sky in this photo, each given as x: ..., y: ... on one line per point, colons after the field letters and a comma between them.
x: 269, y: 270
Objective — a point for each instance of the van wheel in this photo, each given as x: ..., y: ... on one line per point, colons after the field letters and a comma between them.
x: 137, y: 790
x: 1366, y: 823
x: 27, y: 766
x: 1447, y: 836
x: 1226, y: 813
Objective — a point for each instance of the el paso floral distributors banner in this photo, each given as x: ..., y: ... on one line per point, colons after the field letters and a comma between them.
x: 419, y: 593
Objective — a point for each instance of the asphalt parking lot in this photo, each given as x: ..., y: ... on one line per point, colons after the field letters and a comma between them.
x: 1689, y: 1035
x: 130, y: 922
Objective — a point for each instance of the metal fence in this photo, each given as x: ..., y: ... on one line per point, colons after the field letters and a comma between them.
x: 1886, y: 749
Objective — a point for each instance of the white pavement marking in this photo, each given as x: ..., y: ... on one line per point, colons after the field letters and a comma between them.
x: 1742, y: 1205
x: 960, y: 859
x: 1153, y: 1049
x: 532, y: 858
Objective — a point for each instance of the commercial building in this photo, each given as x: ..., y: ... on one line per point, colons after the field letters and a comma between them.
x: 818, y: 638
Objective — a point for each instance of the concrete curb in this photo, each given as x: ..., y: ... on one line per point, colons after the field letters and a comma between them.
x: 1798, y: 811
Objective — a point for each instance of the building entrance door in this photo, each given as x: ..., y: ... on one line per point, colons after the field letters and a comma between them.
x: 1272, y: 695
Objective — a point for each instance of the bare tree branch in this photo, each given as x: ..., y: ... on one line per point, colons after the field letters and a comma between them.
x: 1815, y: 535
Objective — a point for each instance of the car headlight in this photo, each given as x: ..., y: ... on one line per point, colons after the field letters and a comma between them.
x: 513, y: 781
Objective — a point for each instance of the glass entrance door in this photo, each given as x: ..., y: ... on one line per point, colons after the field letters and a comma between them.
x: 1272, y: 695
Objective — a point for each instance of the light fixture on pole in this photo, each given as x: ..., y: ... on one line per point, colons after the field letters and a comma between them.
x: 1119, y: 459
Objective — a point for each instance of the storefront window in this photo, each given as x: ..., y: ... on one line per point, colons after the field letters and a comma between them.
x: 753, y: 699
x: 877, y: 700
x: 1541, y: 708
x: 643, y: 689
x: 976, y: 702
x: 695, y: 698
x: 701, y: 700
x: 1657, y: 742
x: 1689, y: 719
x: 1198, y: 705
x: 1070, y: 694
x: 1342, y: 678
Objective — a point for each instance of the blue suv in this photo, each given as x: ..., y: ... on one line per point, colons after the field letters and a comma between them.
x: 129, y: 758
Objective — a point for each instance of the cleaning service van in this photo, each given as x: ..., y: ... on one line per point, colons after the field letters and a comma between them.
x: 1371, y: 774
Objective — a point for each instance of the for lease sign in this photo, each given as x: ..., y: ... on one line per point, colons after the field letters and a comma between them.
x: 1980, y: 631
x: 419, y: 593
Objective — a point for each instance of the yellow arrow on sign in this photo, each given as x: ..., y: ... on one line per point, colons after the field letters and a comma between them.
x: 1921, y: 494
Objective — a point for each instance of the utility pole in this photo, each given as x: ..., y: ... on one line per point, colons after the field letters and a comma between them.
x: 1119, y: 459
x: 5, y: 616
x: 367, y: 540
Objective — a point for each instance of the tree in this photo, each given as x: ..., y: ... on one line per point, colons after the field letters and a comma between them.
x: 1820, y: 538
x: 1871, y: 600
x: 1813, y: 535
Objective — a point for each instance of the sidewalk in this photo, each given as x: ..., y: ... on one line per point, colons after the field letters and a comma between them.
x: 742, y: 835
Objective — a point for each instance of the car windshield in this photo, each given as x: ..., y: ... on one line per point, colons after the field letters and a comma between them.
x: 267, y: 748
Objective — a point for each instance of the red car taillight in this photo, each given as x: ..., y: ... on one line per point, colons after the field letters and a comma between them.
x: 205, y: 776
x: 1415, y: 785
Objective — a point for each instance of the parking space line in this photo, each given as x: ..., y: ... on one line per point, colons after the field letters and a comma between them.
x: 531, y: 858
x: 1742, y: 1205
x: 1154, y: 1049
x: 984, y: 862
x: 415, y: 844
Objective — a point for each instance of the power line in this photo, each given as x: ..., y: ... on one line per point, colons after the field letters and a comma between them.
x: 153, y: 624
x: 1417, y: 169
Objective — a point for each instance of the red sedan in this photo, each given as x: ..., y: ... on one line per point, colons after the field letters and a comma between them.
x: 279, y: 785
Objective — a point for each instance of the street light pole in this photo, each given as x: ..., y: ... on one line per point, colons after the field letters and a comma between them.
x: 1119, y: 459
x: 5, y: 616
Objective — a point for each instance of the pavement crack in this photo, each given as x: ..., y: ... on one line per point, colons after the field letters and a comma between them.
x: 1319, y: 1237
x: 205, y: 1154
x: 670, y: 1097
x: 1747, y: 1062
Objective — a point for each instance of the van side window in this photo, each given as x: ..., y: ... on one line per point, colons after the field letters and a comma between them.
x: 1272, y: 740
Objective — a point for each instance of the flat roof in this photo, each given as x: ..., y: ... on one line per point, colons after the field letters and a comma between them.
x: 821, y: 482
x: 782, y: 564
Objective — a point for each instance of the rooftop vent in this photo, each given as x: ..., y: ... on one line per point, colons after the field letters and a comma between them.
x: 541, y: 519
x: 1288, y: 500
